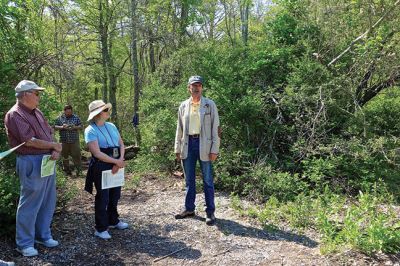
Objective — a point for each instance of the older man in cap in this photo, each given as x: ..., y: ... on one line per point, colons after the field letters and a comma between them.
x: 25, y: 123
x: 197, y: 139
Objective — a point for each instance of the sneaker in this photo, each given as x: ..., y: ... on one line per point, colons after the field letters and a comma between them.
x: 210, y: 219
x: 6, y: 263
x: 102, y: 235
x: 50, y: 243
x: 184, y: 214
x: 28, y: 252
x: 120, y: 225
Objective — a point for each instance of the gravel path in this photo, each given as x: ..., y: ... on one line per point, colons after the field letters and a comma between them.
x: 154, y: 233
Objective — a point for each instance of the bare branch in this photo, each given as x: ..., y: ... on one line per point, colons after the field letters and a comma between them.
x: 362, y: 36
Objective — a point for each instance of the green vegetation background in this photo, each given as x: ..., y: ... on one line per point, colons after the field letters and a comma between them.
x: 314, y: 146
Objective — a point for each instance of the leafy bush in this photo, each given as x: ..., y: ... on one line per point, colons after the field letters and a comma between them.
x: 365, y: 226
x: 352, y: 165
x: 65, y: 192
x: 259, y: 181
x: 379, y: 117
x: 9, y: 194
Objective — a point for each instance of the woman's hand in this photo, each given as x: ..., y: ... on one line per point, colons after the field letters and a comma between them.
x: 120, y: 163
x: 115, y: 169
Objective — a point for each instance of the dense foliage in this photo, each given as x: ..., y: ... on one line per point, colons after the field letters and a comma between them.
x: 306, y: 129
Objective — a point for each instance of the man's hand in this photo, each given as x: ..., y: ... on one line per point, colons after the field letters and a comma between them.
x: 55, y: 155
x: 213, y: 157
x: 57, y: 147
x: 178, y: 156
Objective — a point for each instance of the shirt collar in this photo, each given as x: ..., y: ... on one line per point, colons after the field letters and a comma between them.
x: 25, y: 109
x: 64, y: 116
x: 191, y: 101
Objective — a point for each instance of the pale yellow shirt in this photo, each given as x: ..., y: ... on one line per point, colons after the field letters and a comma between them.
x: 194, y: 118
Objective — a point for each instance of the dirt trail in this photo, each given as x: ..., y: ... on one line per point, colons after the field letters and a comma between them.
x: 155, y: 233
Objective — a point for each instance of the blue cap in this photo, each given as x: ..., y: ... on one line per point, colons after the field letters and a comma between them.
x: 195, y: 79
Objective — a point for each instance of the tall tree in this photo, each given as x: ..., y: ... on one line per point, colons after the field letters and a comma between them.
x: 103, y: 29
x: 244, y: 6
x: 135, y: 66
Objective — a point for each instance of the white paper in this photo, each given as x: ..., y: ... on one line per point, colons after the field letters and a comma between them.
x: 109, y: 180
x: 48, y: 166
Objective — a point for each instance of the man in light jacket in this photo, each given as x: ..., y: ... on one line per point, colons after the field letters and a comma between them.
x: 197, y: 139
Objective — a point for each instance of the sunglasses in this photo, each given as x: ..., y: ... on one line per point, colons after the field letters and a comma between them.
x: 106, y: 110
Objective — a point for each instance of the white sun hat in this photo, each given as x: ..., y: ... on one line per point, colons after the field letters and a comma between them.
x: 96, y: 107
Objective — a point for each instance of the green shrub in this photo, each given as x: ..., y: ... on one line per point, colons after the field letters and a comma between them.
x: 65, y: 191
x: 9, y: 195
x: 367, y: 223
x: 229, y: 170
x: 379, y: 117
x: 366, y: 226
x: 260, y: 181
x: 300, y: 212
x: 271, y: 213
x: 353, y: 165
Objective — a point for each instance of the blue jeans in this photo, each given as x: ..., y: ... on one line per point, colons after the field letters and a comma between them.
x: 189, y: 167
x: 37, y: 202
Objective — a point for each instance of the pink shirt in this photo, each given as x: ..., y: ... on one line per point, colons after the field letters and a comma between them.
x: 23, y: 124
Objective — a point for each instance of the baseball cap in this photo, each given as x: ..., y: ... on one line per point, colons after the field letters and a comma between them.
x: 195, y: 79
x: 27, y: 85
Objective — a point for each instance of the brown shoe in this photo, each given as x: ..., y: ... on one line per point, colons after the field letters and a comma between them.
x: 184, y: 214
x: 210, y: 219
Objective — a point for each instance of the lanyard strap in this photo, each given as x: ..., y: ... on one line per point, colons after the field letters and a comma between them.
x: 109, y: 135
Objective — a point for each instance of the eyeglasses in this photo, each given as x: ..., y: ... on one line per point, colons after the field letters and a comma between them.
x: 106, y: 110
x: 197, y: 84
x: 35, y: 92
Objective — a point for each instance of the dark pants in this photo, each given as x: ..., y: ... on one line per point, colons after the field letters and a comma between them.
x: 74, y: 150
x: 106, y: 200
x: 105, y: 207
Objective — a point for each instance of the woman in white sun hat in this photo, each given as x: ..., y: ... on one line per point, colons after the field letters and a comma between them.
x: 107, y: 148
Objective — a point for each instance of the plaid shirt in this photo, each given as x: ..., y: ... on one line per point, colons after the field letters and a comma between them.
x: 23, y: 124
x: 68, y: 136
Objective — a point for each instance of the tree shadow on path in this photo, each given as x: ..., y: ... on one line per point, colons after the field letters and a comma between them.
x: 228, y: 227
x: 133, y: 245
x: 137, y: 245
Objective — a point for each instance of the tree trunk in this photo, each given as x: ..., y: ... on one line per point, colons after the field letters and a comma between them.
x: 212, y: 25
x: 244, y: 18
x: 135, y: 67
x: 227, y: 21
x: 183, y: 21
x: 371, y: 92
x: 103, y: 30
x: 151, y: 52
x: 112, y: 84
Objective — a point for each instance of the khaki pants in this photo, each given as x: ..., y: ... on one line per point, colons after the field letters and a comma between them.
x: 73, y: 150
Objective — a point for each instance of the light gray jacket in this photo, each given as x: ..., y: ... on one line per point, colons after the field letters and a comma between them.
x: 209, y: 123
